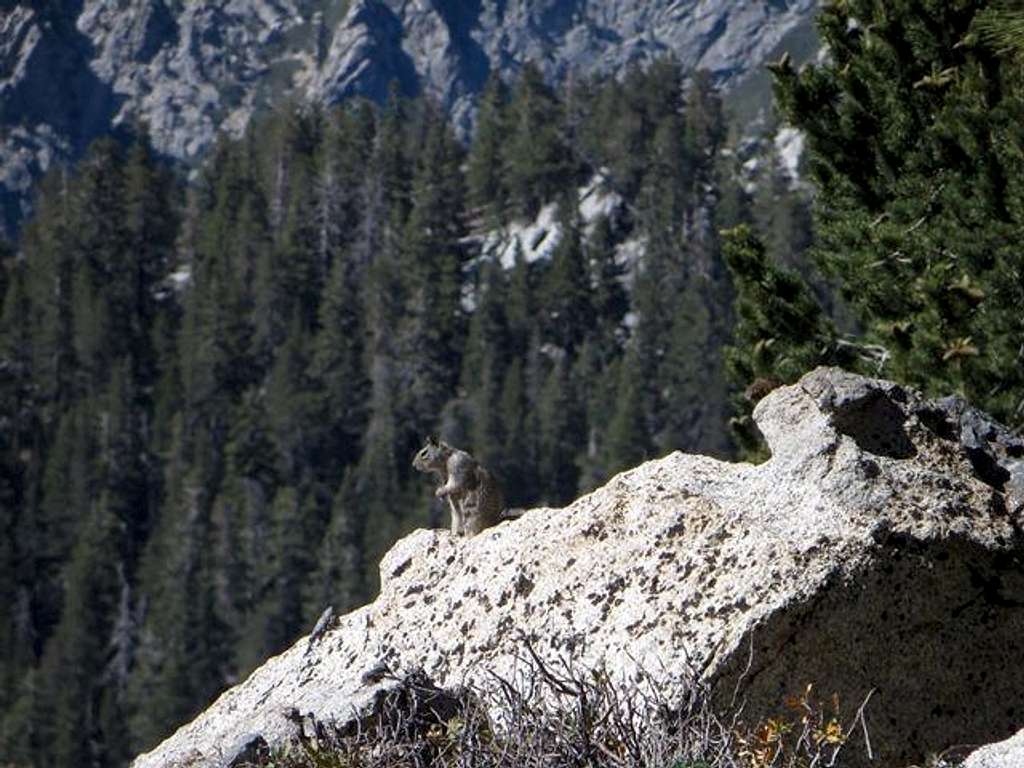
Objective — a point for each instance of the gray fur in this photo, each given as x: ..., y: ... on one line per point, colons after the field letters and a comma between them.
x: 474, y: 495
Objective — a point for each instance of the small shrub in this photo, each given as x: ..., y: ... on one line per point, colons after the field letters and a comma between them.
x: 552, y: 716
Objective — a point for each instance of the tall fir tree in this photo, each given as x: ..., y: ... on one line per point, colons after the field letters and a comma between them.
x: 535, y: 154
x: 433, y: 257
x: 340, y: 578
x: 562, y: 434
x: 484, y: 365
x: 566, y: 290
x: 485, y: 177
x: 628, y: 440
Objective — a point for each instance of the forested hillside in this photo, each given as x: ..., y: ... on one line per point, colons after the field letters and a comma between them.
x: 211, y: 390
x: 212, y: 387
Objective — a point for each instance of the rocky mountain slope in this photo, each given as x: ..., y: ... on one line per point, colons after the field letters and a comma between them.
x: 878, y: 550
x: 70, y: 72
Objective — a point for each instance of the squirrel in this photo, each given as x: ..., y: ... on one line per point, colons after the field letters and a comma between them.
x: 474, y: 495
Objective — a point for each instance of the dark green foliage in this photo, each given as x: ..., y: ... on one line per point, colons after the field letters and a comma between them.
x: 338, y: 365
x: 485, y: 175
x: 695, y: 405
x: 342, y: 568
x: 560, y: 414
x: 485, y: 364
x: 608, y: 298
x: 629, y: 435
x: 537, y: 162
x: 431, y: 338
x: 568, y: 314
x: 780, y: 331
x: 1001, y: 27
x: 913, y: 129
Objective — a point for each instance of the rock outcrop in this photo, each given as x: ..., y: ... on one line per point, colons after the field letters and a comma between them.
x: 1003, y: 754
x: 879, y: 549
x: 70, y: 72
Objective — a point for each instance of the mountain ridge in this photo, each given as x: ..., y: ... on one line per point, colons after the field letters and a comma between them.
x: 189, y: 70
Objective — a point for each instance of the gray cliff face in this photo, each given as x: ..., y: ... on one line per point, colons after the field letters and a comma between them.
x: 72, y: 72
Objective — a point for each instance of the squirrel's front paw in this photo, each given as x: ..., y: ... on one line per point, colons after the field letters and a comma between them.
x: 440, y: 493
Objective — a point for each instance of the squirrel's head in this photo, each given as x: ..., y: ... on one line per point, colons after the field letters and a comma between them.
x: 429, y: 455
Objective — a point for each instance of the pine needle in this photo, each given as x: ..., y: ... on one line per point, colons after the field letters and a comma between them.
x: 1002, y: 29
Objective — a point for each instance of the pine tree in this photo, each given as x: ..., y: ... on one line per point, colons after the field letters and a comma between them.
x: 185, y: 651
x: 433, y: 257
x: 520, y: 310
x: 242, y: 525
x: 389, y: 439
x: 485, y: 361
x: 105, y: 290
x: 568, y: 311
x: 48, y: 270
x: 596, y: 374
x: 151, y: 225
x: 75, y: 665
x: 692, y: 377
x: 704, y: 126
x: 485, y: 176
x: 342, y: 567
x: 20, y: 467
x: 390, y: 160
x: 609, y: 299
x: 913, y: 144
x: 19, y: 719
x: 534, y: 154
x: 518, y: 467
x: 339, y: 167
x: 288, y: 565
x: 379, y: 479
x: 780, y: 331
x: 53, y: 527
x: 625, y: 127
x: 562, y: 435
x: 782, y: 215
x: 291, y: 406
x: 339, y: 363
x: 628, y: 440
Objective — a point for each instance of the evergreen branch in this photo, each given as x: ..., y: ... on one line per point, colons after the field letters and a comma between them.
x: 1002, y: 28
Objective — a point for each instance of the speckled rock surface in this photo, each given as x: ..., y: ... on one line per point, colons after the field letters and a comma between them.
x: 1003, y: 754
x: 867, y: 553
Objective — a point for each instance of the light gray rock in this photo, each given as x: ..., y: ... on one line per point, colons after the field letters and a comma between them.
x: 72, y: 72
x: 866, y: 554
x: 1002, y: 754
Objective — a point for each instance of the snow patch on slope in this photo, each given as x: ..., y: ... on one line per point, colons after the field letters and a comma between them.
x: 537, y: 239
x: 789, y: 146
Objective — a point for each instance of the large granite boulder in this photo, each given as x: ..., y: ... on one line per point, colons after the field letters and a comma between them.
x: 879, y: 549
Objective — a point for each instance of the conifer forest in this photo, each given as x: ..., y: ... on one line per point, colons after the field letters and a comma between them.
x: 213, y: 379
